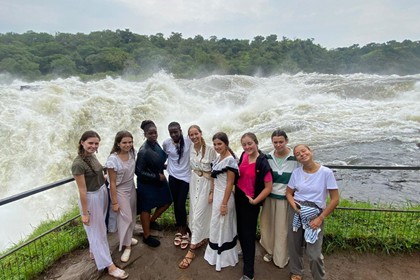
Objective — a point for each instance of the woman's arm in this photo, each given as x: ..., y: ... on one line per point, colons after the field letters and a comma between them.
x: 289, y: 195
x: 81, y: 185
x: 268, y: 187
x: 335, y: 199
x: 112, y: 175
x: 229, y: 184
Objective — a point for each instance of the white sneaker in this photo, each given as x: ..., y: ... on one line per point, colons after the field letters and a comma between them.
x: 268, y: 257
x: 134, y: 241
x: 126, y: 255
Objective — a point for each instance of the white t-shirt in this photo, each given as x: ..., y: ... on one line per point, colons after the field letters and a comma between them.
x: 181, y: 170
x: 313, y: 187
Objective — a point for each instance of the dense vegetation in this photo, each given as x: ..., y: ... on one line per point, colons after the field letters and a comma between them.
x: 42, y: 56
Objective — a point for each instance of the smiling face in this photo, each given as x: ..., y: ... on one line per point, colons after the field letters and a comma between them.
x: 126, y: 144
x: 279, y: 144
x: 249, y: 145
x: 90, y: 145
x: 195, y: 135
x: 175, y: 133
x: 303, y: 154
x: 219, y: 146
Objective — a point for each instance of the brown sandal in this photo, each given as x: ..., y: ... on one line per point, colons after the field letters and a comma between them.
x: 187, y: 260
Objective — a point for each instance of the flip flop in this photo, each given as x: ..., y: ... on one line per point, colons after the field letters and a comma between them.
x: 177, y: 240
x: 185, y: 241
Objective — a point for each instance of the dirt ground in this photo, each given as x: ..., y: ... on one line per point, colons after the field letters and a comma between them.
x: 162, y: 263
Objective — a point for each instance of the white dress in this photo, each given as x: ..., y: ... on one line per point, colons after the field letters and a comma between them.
x: 221, y: 250
x: 200, y: 186
x: 126, y: 196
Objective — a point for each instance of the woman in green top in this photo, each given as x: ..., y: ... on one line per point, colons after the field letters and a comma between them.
x: 88, y: 173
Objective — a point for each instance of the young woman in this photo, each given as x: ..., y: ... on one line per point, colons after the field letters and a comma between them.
x: 253, y: 186
x: 177, y: 147
x: 273, y: 220
x: 307, y: 193
x: 152, y: 186
x: 201, y: 157
x: 221, y: 250
x: 120, y: 169
x: 93, y: 203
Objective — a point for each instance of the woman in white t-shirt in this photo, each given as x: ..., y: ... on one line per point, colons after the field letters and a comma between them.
x: 307, y: 192
x: 177, y: 147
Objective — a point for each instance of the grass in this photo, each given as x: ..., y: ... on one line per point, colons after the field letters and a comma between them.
x: 364, y: 227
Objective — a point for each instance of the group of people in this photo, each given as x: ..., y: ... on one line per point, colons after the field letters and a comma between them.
x: 226, y: 195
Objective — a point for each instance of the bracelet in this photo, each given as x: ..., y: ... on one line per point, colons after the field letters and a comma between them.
x: 224, y: 205
x: 88, y: 214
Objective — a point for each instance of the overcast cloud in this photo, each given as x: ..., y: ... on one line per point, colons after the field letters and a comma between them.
x: 331, y: 23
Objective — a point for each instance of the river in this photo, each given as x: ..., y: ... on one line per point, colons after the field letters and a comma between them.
x: 354, y: 119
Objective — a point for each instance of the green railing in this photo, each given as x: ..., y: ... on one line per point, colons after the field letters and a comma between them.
x: 365, y: 229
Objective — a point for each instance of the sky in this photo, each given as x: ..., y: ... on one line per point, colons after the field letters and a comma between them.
x: 330, y: 23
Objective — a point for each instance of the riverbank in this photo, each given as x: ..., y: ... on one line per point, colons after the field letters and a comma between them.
x: 162, y: 263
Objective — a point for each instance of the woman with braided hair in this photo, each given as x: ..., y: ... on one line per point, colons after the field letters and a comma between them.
x: 201, y: 157
x: 177, y: 147
x: 93, y: 203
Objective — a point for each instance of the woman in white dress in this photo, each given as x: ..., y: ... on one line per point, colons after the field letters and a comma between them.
x: 221, y: 250
x: 201, y: 157
x: 120, y: 168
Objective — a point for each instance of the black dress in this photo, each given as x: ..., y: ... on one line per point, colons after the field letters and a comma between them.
x: 151, y: 192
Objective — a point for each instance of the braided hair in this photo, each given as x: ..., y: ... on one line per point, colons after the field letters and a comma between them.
x: 81, y: 151
x: 181, y: 146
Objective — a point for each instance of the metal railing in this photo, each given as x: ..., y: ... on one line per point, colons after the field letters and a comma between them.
x: 35, y: 255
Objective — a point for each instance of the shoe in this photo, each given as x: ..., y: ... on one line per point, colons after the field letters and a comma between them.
x: 126, y: 255
x: 178, y: 240
x: 134, y: 241
x: 268, y: 257
x: 151, y: 241
x: 118, y: 273
x: 185, y: 241
x: 187, y: 260
x: 155, y: 226
x: 244, y: 277
x: 296, y: 277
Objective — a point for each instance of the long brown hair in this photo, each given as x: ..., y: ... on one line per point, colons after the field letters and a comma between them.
x: 118, y: 138
x: 224, y: 138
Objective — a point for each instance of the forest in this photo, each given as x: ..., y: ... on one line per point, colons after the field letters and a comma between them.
x: 40, y: 56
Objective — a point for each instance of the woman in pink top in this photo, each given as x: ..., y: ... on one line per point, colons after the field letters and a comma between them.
x: 253, y: 186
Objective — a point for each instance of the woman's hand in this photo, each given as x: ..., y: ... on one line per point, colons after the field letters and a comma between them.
x: 85, y: 219
x: 251, y: 200
x: 223, y: 210
x: 316, y: 223
x: 115, y: 207
x: 162, y: 177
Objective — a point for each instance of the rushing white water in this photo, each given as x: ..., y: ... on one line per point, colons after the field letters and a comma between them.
x: 346, y: 119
